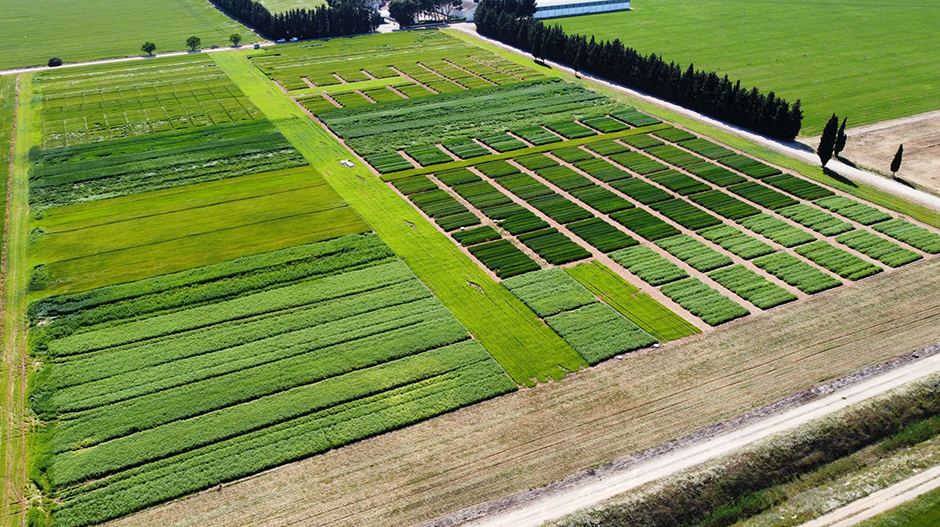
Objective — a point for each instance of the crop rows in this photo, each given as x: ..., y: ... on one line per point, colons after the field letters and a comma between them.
x: 536, y: 161
x: 675, y: 135
x: 886, y: 252
x: 751, y: 167
x: 644, y: 224
x: 553, y: 246
x: 564, y: 178
x: 704, y: 147
x: 799, y: 187
x: 736, y: 242
x: 648, y: 265
x: 762, y: 195
x: 570, y: 129
x: 853, y: 210
x: 776, y: 230
x: 602, y: 235
x: 672, y: 155
x: 503, y: 258
x: 841, y: 262
x: 693, y: 252
x: 481, y: 194
x: 678, y: 182
x: 524, y: 186
x: 634, y: 117
x: 465, y: 148
x: 685, y: 214
x: 638, y: 163
x: 796, y: 272
x: 606, y: 147
x: 752, y: 287
x: 919, y: 237
x: 821, y: 222
x: 537, y: 135
x: 475, y: 235
x: 388, y: 162
x: 502, y: 142
x: 641, y: 141
x: 350, y: 99
x: 457, y: 176
x: 601, y: 199
x: 725, y: 205
x: 602, y: 170
x: 640, y: 190
x: 703, y: 301
x: 715, y: 174
x: 604, y: 124
x: 572, y: 154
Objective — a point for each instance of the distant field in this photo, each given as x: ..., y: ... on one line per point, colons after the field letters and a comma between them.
x: 31, y: 31
x: 279, y: 6
x: 870, y: 61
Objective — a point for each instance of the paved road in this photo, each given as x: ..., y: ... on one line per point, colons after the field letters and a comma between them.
x: 567, y: 501
x: 881, y: 501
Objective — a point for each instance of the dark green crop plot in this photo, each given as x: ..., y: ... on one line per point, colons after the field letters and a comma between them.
x: 602, y: 235
x: 502, y: 142
x: 674, y: 134
x: 913, y: 235
x: 428, y: 155
x: 553, y: 246
x: 570, y: 129
x: 537, y: 135
x: 776, y: 230
x: 704, y: 147
x: 414, y: 91
x: 457, y: 221
x: 674, y: 156
x: 501, y: 212
x: 606, y: 148
x: 645, y: 224
x: 634, y: 118
x: 799, y: 187
x: 725, y: 205
x: 572, y: 154
x: 467, y: 237
x: 762, y: 195
x: 640, y: 190
x: 853, y: 210
x: 536, y: 161
x: 678, y: 182
x: 601, y: 199
x: 715, y: 174
x: 796, y: 272
x: 549, y: 292
x: 457, y: 176
x: 648, y: 265
x: 351, y: 100
x: 63, y: 176
x: 602, y: 170
x: 481, y: 194
x: 465, y: 148
x: 436, y: 203
x: 641, y: 141
x: 693, y: 252
x: 503, y: 258
x: 751, y: 167
x: 686, y: 214
x: 838, y: 261
x: 638, y: 163
x: 703, y: 301
x: 522, y: 222
x: 414, y: 184
x: 390, y: 162
x: 316, y: 104
x: 752, y: 287
x: 559, y: 209
x: 496, y: 169
x: 886, y: 252
x: 736, y: 242
x: 564, y: 178
x: 524, y: 186
x: 821, y: 222
x: 604, y: 124
x: 381, y: 95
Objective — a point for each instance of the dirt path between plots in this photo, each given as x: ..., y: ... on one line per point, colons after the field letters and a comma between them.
x: 881, y: 501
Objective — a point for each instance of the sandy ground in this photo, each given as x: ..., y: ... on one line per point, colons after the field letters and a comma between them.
x: 881, y: 501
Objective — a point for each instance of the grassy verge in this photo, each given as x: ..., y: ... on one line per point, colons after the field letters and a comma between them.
x: 921, y: 512
x: 527, y: 350
x: 650, y: 315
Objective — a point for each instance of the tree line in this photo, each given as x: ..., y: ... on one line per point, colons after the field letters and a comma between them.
x: 511, y: 22
x: 339, y: 17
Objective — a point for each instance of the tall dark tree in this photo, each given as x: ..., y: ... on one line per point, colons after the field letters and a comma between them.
x: 403, y: 11
x: 841, y: 138
x: 828, y: 140
x: 148, y: 48
x: 896, y: 162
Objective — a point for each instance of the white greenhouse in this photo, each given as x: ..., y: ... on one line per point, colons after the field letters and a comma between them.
x: 558, y: 8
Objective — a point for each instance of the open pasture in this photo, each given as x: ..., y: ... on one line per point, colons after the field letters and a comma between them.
x: 843, y: 58
x: 33, y: 31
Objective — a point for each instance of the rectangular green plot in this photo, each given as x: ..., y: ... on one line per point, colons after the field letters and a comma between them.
x: 564, y: 178
x: 570, y: 129
x: 725, y: 205
x: 572, y: 154
x: 634, y: 117
x: 821, y: 222
x: 752, y: 287
x: 537, y: 135
x: 352, y: 75
x: 316, y: 104
x: 390, y: 162
x: 602, y: 235
x: 704, y: 147
x: 641, y: 141
x: 686, y: 214
x: 678, y: 182
x: 841, y: 262
x: 481, y: 194
x: 736, y: 242
x: 414, y: 91
x: 674, y: 135
x: 465, y: 148
x: 522, y: 222
x: 648, y: 265
x: 886, y: 252
x: 598, y: 332
x: 913, y: 235
x: 762, y: 195
x: 467, y: 237
x: 501, y: 212
x: 693, y: 252
x: 640, y: 190
x: 497, y: 169
x: 559, y: 209
x: 799, y: 187
x: 751, y: 167
x: 606, y: 147
x: 553, y: 246
x: 457, y: 176
x: 776, y: 230
x: 673, y: 156
x: 437, y: 203
x: 549, y: 292
x: 638, y: 163
x: 602, y: 170
x: 715, y: 174
x: 796, y: 272
x: 503, y: 258
x: 645, y: 224
x: 536, y: 161
x: 457, y: 221
x: 502, y: 143
x: 853, y: 210
x: 703, y: 301
x: 428, y: 155
x: 601, y: 199
x: 648, y: 314
x: 604, y: 124
x: 350, y: 100
x: 524, y: 186
x: 380, y: 95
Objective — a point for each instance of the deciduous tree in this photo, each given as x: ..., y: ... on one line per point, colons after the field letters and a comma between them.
x: 148, y: 48
x: 193, y: 43
x: 828, y: 140
x: 403, y: 11
x: 235, y: 39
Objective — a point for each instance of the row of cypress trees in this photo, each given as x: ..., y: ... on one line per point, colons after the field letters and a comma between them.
x: 342, y: 17
x: 511, y: 22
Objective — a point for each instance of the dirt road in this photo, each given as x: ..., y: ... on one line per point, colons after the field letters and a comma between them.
x: 881, y: 501
x: 557, y: 505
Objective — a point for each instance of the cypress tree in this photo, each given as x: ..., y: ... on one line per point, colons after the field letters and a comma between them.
x: 841, y: 138
x: 896, y: 163
x: 828, y: 140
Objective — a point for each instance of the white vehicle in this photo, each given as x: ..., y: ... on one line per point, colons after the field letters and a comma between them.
x: 293, y: 39
x: 280, y: 40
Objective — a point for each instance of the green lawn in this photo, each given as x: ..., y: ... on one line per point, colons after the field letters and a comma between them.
x: 869, y: 61
x: 280, y: 6
x: 31, y: 31
x: 517, y: 339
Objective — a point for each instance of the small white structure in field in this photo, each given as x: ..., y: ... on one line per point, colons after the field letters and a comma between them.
x: 557, y: 8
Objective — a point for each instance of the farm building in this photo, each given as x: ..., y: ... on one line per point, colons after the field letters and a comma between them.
x: 559, y: 8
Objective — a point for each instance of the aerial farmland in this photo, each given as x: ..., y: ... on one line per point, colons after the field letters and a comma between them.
x: 390, y: 278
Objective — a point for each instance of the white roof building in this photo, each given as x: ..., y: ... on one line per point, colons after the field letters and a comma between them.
x: 558, y: 8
